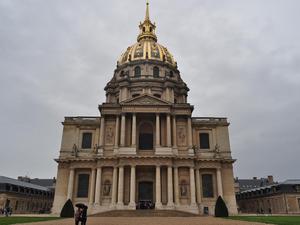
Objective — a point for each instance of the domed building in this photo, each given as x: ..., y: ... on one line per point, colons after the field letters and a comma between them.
x: 145, y: 150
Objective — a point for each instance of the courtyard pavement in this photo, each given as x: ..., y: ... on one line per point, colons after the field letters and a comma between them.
x: 150, y: 221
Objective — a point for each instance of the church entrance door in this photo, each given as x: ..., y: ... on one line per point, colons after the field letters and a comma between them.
x: 145, y: 191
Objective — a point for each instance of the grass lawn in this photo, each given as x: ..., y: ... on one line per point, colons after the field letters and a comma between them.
x: 16, y: 220
x: 278, y: 220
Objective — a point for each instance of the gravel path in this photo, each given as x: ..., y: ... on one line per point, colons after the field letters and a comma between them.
x: 150, y: 221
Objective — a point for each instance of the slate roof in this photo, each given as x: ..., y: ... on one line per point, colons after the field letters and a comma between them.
x: 7, y: 180
x: 246, y: 184
x: 43, y: 182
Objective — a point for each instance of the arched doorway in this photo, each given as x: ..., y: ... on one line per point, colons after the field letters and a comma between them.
x: 146, y: 136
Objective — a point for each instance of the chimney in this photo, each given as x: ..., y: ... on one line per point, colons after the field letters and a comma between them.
x: 270, y: 179
x: 254, y: 178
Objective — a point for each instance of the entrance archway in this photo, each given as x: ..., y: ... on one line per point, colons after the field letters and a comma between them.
x: 146, y: 136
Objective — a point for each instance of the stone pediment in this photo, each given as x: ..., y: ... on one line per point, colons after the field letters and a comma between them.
x: 145, y: 100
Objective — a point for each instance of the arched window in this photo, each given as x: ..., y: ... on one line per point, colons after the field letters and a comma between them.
x: 157, y: 95
x: 122, y: 74
x: 171, y: 74
x: 155, y: 71
x: 137, y: 71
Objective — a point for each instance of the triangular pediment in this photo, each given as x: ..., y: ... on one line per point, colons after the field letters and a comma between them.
x: 145, y: 99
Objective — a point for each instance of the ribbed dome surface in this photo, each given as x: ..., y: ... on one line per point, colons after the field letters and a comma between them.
x: 147, y: 49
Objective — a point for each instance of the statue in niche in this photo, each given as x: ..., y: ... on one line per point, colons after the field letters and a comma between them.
x: 183, y: 189
x: 181, y: 135
x: 106, y: 188
x: 109, y: 135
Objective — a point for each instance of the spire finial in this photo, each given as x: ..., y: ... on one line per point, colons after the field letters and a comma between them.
x: 147, y: 17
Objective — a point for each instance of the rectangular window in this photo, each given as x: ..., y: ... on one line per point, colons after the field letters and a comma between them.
x: 299, y: 202
x: 207, y: 186
x: 83, y: 185
x: 204, y: 140
x: 86, y: 140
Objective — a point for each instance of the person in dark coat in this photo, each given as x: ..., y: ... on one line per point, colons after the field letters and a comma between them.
x: 83, y: 218
x: 78, y: 215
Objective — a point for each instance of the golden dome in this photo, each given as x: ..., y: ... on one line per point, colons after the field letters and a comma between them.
x: 147, y: 47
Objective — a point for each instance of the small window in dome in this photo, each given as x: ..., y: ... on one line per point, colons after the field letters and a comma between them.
x: 155, y: 72
x: 150, y: 29
x: 171, y: 74
x: 122, y: 73
x: 144, y: 29
x: 137, y: 71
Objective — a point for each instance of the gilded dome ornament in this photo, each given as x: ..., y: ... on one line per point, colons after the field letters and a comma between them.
x: 147, y: 47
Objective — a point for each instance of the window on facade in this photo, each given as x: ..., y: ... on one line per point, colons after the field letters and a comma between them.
x: 299, y: 202
x: 83, y: 185
x: 157, y: 95
x: 135, y: 95
x: 86, y: 140
x: 122, y: 73
x: 137, y: 71
x: 207, y: 186
x: 155, y: 71
x: 204, y: 140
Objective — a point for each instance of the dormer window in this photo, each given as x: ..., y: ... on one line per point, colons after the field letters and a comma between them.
x: 155, y: 72
x: 137, y: 71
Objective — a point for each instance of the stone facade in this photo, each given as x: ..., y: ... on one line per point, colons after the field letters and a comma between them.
x: 24, y: 197
x: 145, y: 139
x: 277, y: 198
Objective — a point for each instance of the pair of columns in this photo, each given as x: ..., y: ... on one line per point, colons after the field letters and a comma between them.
x: 174, y: 185
x: 118, y: 191
x: 123, y: 128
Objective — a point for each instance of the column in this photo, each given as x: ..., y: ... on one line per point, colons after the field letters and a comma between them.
x: 157, y: 188
x: 219, y: 182
x: 114, y: 186
x: 174, y: 132
x: 133, y: 130
x: 71, y: 184
x: 168, y: 130
x: 190, y: 133
x: 157, y: 131
x: 132, y: 187
x: 176, y: 186
x: 92, y: 187
x: 117, y: 131
x: 123, y: 120
x: 98, y: 186
x: 102, y: 126
x: 198, y: 187
x: 121, y: 186
x: 170, y: 187
x: 192, y: 186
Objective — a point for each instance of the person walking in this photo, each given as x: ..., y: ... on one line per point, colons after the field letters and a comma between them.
x: 83, y: 218
x: 78, y: 216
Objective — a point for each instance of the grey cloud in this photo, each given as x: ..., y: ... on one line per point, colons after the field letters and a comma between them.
x: 240, y: 59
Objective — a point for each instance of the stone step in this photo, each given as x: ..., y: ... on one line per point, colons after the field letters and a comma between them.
x: 144, y: 213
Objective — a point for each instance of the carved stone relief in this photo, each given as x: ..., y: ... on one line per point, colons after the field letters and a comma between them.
x: 181, y: 134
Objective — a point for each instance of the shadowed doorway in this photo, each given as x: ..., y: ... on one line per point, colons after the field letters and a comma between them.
x: 146, y: 136
x: 145, y: 191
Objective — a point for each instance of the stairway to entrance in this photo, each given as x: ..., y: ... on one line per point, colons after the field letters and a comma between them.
x: 144, y: 213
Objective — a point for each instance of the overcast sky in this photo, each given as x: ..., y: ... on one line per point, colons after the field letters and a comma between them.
x: 241, y: 60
